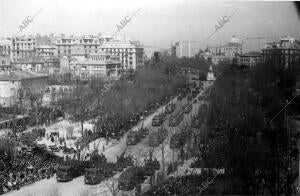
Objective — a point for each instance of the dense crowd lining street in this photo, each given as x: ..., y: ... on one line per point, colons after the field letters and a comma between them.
x: 139, y: 151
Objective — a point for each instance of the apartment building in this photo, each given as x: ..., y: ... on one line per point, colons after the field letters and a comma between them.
x: 23, y: 47
x: 5, y: 46
x: 74, y: 45
x: 45, y: 51
x: 131, y: 53
x: 249, y: 59
x: 284, y: 53
x: 4, y: 62
x: 12, y: 81
x: 95, y: 65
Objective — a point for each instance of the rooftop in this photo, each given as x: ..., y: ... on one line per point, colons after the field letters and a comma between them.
x: 252, y: 53
x: 16, y: 75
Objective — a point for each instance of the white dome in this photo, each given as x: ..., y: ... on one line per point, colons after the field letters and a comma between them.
x: 234, y: 40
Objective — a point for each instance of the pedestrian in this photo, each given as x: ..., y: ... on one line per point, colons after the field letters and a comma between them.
x: 103, y: 148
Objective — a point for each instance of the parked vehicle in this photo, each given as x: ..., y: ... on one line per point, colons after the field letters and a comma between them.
x: 54, y: 149
x: 143, y: 132
x: 158, y: 120
x: 157, y: 137
x: 132, y: 138
x: 94, y: 176
x: 68, y: 151
x: 130, y: 178
x: 176, y: 119
x: 42, y: 146
x: 170, y: 108
x: 66, y: 173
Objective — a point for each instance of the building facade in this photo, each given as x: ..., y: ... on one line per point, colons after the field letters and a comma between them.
x: 45, y: 51
x: 284, y: 53
x: 74, y: 45
x: 5, y: 46
x: 22, y: 47
x: 12, y: 82
x: 4, y: 62
x: 131, y: 53
x: 226, y: 52
x: 249, y: 59
x: 96, y: 65
x: 185, y: 49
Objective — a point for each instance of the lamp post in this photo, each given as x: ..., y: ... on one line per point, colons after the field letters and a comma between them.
x: 298, y: 187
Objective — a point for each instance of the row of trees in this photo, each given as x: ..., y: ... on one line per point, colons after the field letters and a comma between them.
x: 242, y: 137
x: 123, y: 100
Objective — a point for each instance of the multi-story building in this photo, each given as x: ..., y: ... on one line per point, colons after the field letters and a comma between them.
x: 45, y: 51
x: 4, y: 62
x: 249, y: 59
x: 72, y: 46
x: 95, y: 65
x: 231, y: 49
x: 185, y: 49
x: 22, y: 47
x: 226, y: 52
x: 285, y: 53
x: 13, y: 82
x: 5, y: 46
x: 131, y: 53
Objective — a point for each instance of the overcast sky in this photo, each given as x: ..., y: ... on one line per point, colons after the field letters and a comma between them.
x: 158, y: 23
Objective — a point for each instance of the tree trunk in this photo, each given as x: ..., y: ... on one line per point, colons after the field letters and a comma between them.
x: 21, y: 106
x: 163, y: 158
x: 81, y: 128
x: 37, y: 115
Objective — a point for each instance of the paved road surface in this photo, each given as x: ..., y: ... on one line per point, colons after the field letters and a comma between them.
x: 77, y: 185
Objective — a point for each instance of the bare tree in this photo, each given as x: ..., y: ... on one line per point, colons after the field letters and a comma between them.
x: 112, y: 185
x: 35, y: 97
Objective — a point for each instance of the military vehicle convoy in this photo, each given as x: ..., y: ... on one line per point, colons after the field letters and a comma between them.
x: 176, y: 119
x: 135, y: 137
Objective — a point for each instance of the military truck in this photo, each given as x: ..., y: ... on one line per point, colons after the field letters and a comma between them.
x: 158, y: 120
x: 96, y: 175
x: 93, y: 176
x: 170, y: 108
x: 66, y: 173
x: 130, y: 178
x: 133, y: 138
x: 176, y: 119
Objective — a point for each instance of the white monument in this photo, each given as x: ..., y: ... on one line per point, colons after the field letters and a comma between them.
x: 210, y: 75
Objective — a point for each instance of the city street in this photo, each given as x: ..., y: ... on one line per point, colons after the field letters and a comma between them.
x: 139, y: 150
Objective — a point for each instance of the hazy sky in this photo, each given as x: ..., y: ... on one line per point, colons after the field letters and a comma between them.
x: 158, y: 23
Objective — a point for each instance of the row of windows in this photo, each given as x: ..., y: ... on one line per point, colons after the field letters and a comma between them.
x: 98, y: 58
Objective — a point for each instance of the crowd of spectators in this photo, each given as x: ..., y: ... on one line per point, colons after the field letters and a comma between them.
x: 26, y: 166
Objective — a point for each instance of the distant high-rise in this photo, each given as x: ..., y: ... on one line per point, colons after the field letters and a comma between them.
x: 185, y: 49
